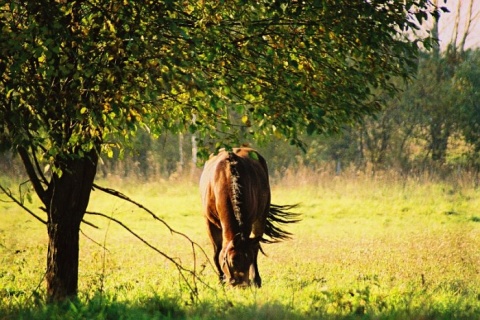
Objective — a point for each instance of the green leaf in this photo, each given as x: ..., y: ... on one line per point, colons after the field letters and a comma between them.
x: 253, y: 155
x: 311, y: 128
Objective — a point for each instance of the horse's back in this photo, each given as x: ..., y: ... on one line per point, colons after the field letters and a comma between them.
x: 250, y: 178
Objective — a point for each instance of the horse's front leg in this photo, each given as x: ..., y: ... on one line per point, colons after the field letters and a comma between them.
x: 257, y: 280
x: 216, y: 237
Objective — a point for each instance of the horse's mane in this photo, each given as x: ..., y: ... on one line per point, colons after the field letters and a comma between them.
x: 235, y: 189
x: 277, y: 215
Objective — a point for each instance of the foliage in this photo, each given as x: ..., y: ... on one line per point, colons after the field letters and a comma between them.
x: 292, y: 67
x: 77, y: 74
x: 74, y: 75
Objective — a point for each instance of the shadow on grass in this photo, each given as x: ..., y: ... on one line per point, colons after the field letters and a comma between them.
x: 98, y: 307
x: 156, y: 307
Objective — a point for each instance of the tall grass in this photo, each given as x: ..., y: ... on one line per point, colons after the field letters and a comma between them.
x: 367, y: 248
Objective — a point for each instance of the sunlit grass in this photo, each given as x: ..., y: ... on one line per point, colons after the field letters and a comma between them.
x: 366, y: 248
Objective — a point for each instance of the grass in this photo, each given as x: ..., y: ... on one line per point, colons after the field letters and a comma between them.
x: 365, y: 249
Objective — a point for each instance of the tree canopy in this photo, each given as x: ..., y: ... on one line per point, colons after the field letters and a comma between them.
x: 77, y: 72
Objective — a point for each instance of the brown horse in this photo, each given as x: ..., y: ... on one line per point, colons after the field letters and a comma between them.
x: 236, y: 198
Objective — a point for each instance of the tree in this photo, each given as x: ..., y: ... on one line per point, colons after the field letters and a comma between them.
x: 435, y: 101
x: 79, y: 78
x: 458, y: 29
x: 467, y: 84
x: 440, y: 97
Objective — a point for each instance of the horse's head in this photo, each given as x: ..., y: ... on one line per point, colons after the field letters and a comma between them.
x: 237, y: 259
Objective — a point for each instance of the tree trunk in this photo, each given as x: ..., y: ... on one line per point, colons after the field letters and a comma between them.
x: 62, y: 261
x: 194, y: 146
x: 69, y: 195
x: 181, y: 161
x: 439, y: 134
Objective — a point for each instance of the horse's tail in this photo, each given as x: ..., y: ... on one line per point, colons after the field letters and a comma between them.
x: 279, y: 215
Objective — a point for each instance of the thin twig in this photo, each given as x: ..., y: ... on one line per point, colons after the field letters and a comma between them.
x: 90, y: 224
x: 180, y: 268
x: 8, y: 193
x: 124, y: 197
x: 97, y: 243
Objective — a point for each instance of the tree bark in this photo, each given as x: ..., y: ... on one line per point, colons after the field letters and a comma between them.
x: 69, y: 194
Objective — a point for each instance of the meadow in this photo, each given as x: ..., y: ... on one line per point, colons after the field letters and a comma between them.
x: 366, y: 248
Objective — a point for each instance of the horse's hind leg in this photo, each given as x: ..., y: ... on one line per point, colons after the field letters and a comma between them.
x: 215, y: 234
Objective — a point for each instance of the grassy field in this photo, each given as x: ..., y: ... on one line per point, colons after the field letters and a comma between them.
x: 365, y: 249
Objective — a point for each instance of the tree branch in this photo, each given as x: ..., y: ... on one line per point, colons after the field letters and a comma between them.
x: 124, y: 197
x: 40, y: 173
x: 90, y: 224
x: 173, y: 231
x: 181, y: 269
x: 32, y: 174
x: 97, y: 243
x: 9, y: 194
